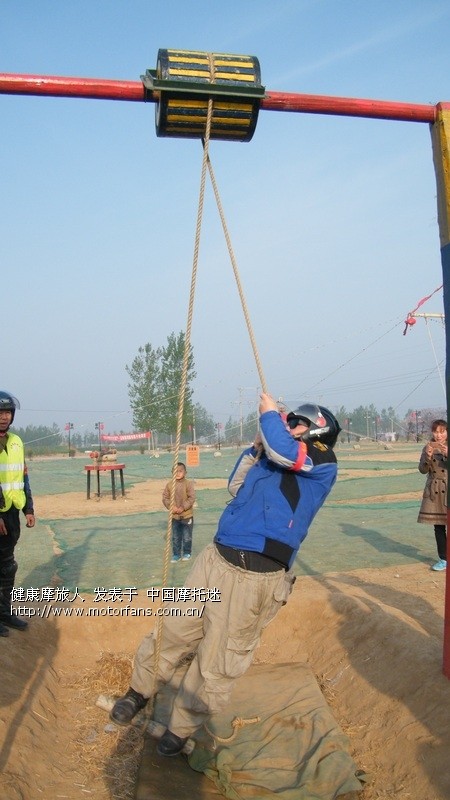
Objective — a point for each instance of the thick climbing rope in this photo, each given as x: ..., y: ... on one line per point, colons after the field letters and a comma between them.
x: 236, y: 275
x: 186, y: 354
x: 206, y: 163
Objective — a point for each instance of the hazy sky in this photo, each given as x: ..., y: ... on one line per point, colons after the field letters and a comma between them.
x: 333, y: 220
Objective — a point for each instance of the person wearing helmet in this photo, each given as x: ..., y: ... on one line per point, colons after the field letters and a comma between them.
x: 15, y: 496
x: 278, y: 486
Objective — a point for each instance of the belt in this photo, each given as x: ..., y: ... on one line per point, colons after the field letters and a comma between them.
x: 247, y: 559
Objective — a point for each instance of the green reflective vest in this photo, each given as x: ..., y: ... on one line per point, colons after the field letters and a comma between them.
x: 12, y: 465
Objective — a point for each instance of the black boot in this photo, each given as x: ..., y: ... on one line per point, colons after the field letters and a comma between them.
x: 126, y: 707
x: 12, y: 621
x: 3, y: 631
x: 7, y: 616
x: 170, y: 744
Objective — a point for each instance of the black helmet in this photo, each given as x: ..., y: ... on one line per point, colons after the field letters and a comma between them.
x: 8, y: 403
x: 322, y: 424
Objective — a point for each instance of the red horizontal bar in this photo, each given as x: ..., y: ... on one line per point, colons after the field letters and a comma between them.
x: 348, y: 106
x: 100, y: 89
x: 55, y: 86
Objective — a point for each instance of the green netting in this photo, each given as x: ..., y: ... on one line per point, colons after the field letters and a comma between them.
x: 347, y: 537
x: 376, y: 466
x: 356, y: 488
x: 58, y: 476
x: 35, y: 556
x: 126, y: 551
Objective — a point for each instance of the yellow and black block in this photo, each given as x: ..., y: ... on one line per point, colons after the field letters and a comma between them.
x: 185, y: 80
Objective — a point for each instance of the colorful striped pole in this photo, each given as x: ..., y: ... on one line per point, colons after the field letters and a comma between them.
x: 440, y: 137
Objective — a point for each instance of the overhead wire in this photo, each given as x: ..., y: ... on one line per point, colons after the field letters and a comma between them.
x: 417, y: 387
x: 349, y: 360
x: 435, y: 356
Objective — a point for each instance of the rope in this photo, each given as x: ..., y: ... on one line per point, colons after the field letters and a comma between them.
x: 186, y: 354
x: 435, y: 356
x: 236, y: 275
x: 237, y: 724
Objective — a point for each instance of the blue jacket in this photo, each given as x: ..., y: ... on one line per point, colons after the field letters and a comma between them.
x: 277, y: 493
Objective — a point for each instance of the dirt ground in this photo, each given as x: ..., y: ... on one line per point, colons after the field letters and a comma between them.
x: 373, y: 638
x: 145, y: 496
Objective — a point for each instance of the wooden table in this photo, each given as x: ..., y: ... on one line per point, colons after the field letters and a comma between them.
x: 98, y: 468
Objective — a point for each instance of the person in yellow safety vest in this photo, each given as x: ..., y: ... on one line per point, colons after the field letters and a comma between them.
x: 15, y: 496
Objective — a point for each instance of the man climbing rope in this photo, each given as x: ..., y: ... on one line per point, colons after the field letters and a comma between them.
x: 15, y: 495
x: 278, y: 485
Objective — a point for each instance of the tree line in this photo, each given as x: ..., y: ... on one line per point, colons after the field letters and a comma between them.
x: 155, y: 376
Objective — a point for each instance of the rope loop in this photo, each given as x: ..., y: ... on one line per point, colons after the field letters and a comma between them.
x: 236, y: 724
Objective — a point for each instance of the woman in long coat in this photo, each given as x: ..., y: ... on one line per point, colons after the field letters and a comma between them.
x: 433, y: 510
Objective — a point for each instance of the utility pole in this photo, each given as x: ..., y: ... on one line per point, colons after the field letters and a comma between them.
x: 349, y: 423
x: 417, y: 426
x: 240, y: 404
x: 241, y: 421
x: 69, y: 427
x: 99, y: 427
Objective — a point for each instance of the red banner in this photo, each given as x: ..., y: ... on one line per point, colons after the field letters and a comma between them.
x: 125, y: 437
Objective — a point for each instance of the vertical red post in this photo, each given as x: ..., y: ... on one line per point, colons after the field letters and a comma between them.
x: 440, y: 137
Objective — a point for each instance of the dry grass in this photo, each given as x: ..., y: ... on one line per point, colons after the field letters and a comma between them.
x: 106, y: 755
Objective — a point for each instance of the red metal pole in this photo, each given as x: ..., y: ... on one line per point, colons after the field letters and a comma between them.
x: 102, y: 89
x: 446, y: 660
x: 440, y: 138
x: 347, y: 106
x: 57, y: 86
